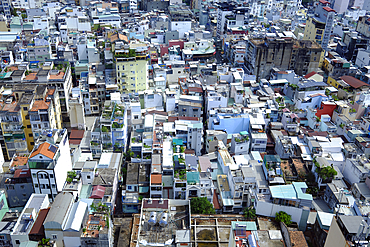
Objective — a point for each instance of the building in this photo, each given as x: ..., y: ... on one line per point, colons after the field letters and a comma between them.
x: 131, y: 66
x: 49, y: 163
x: 180, y: 19
x: 28, y: 217
x: 320, y: 24
x: 19, y: 187
x: 58, y: 217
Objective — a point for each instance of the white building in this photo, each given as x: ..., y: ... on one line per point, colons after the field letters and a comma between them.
x: 27, y: 218
x: 49, y: 163
x: 363, y: 58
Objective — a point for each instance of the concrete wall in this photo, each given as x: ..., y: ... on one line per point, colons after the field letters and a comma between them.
x: 335, y: 236
x: 270, y: 209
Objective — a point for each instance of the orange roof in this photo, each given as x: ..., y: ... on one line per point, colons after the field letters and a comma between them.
x: 31, y: 76
x: 19, y: 161
x: 40, y: 105
x: 12, y: 107
x: 12, y: 68
x: 44, y: 150
x: 118, y: 36
x: 60, y: 75
x: 156, y: 178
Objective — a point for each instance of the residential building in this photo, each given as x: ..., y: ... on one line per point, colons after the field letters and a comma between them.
x: 240, y: 143
x: 320, y: 24
x: 27, y: 218
x: 58, y: 218
x: 180, y: 19
x: 19, y: 187
x: 131, y: 66
x: 73, y: 227
x: 49, y: 162
x: 12, y: 131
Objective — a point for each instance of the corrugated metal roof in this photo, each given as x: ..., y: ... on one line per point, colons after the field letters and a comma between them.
x: 98, y: 192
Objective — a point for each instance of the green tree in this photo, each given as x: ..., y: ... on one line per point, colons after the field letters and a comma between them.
x: 249, y: 213
x: 281, y: 216
x: 200, y: 205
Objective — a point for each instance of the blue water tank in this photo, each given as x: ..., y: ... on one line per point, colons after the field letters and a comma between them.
x: 50, y: 134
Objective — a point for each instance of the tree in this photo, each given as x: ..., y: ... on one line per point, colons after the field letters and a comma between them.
x: 281, y: 216
x: 200, y: 205
x: 249, y: 213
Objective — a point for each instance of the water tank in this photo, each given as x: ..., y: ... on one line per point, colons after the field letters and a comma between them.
x: 163, y: 222
x: 252, y: 241
x: 153, y: 218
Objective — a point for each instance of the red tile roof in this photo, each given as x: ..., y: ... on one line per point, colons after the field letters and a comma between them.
x: 40, y: 105
x: 328, y: 9
x: 156, y: 178
x: 44, y: 150
x: 324, y: 2
x: 353, y: 82
x: 310, y: 74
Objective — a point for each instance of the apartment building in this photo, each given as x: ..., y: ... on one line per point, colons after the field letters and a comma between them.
x: 320, y: 24
x: 27, y: 218
x: 49, y: 163
x: 11, y: 126
x: 131, y: 66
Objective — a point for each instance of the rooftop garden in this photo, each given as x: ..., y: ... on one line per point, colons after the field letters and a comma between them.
x: 131, y: 53
x: 242, y: 139
x: 70, y: 176
x: 99, y: 207
x: 180, y: 174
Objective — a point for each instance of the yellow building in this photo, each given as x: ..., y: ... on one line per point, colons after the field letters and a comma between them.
x: 314, y: 30
x: 338, y: 84
x: 25, y: 103
x: 132, y: 67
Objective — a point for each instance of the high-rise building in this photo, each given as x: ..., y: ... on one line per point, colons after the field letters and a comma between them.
x: 320, y: 24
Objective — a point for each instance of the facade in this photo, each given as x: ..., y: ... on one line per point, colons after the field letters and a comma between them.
x: 131, y: 67
x: 27, y: 218
x: 319, y: 26
x: 49, y: 162
x: 19, y: 188
x: 57, y: 219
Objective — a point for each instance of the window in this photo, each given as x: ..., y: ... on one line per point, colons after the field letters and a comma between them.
x: 55, y: 236
x: 30, y: 134
x: 32, y: 143
x: 53, y: 186
x: 24, y: 194
x: 88, y: 177
x: 28, y: 126
x: 22, y: 187
x: 25, y: 109
x: 51, y: 175
x: 17, y: 242
x: 34, y: 175
x: 129, y: 187
x: 36, y: 185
